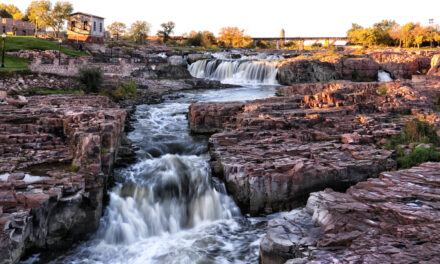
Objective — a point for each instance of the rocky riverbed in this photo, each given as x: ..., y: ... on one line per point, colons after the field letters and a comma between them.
x: 57, y: 154
x: 275, y: 151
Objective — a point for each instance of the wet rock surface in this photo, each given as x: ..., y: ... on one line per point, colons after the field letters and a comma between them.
x: 390, y: 219
x: 273, y: 152
x: 56, y: 154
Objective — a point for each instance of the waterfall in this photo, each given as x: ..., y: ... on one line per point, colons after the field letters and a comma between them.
x: 236, y: 71
x: 384, y: 76
x: 166, y: 195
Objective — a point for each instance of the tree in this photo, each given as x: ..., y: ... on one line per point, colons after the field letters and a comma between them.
x: 407, y: 34
x: 38, y: 13
x: 234, y: 37
x: 396, y: 33
x: 201, y: 38
x: 419, y: 34
x: 117, y: 29
x: 167, y: 30
x: 10, y: 11
x: 58, y: 15
x: 354, y: 34
x: 139, y: 31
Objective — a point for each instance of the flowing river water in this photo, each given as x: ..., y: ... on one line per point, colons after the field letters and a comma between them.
x: 167, y: 208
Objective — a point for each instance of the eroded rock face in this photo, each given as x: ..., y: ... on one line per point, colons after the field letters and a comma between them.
x: 390, y: 219
x: 273, y: 152
x: 300, y: 71
x: 401, y: 65
x: 56, y: 153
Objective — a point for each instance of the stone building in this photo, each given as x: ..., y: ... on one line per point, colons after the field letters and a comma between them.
x: 84, y: 27
x: 15, y: 27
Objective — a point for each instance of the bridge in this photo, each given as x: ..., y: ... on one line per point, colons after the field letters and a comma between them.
x: 301, y: 40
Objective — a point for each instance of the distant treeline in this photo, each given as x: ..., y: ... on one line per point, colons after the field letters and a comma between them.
x: 389, y: 33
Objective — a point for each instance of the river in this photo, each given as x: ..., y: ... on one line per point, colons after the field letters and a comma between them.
x: 167, y: 208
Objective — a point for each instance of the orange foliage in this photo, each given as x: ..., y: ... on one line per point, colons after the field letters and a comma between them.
x: 233, y: 37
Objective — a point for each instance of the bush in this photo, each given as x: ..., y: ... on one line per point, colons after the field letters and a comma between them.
x: 126, y: 90
x: 419, y: 155
x: 92, y: 78
x: 382, y: 89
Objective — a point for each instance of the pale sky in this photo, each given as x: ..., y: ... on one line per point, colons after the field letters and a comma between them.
x: 260, y: 18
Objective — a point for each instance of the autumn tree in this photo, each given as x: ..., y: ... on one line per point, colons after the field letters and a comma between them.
x: 139, y: 31
x: 58, y: 16
x: 200, y: 38
x: 233, y: 37
x: 38, y: 13
x: 396, y: 34
x: 419, y: 34
x: 117, y: 29
x: 166, y: 31
x: 10, y: 11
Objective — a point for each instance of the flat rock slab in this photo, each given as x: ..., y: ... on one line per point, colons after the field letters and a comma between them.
x: 390, y: 219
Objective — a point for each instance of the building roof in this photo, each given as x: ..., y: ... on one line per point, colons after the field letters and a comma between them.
x: 85, y: 14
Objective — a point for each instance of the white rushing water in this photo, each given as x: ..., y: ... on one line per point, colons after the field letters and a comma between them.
x: 167, y: 208
x: 384, y: 76
x: 256, y: 69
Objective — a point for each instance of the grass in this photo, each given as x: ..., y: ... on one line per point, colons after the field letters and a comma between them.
x: 418, y: 156
x: 414, y: 133
x: 32, y: 43
x: 45, y: 91
x: 13, y: 63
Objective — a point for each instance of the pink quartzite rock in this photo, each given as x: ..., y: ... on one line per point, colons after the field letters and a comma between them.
x: 52, y: 170
x: 390, y: 219
x: 273, y: 152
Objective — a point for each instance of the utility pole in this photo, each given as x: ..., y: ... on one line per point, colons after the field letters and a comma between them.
x: 431, y: 23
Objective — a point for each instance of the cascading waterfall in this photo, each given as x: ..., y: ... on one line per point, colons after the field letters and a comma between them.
x: 167, y: 208
x: 384, y: 76
x: 165, y: 195
x: 236, y: 71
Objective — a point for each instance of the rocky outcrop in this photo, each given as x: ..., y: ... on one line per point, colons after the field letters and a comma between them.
x: 401, y: 65
x: 357, y: 69
x: 328, y: 66
x: 390, y: 219
x: 273, y: 152
x: 15, y: 82
x: 56, y: 154
x: 435, y: 65
x: 299, y: 71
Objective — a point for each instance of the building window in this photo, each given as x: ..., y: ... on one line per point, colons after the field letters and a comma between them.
x: 100, y: 27
x: 94, y: 25
x: 4, y: 29
x: 73, y: 24
x: 85, y: 25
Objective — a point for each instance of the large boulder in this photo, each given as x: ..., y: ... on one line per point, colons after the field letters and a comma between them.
x: 390, y: 219
x: 435, y: 65
x: 299, y: 71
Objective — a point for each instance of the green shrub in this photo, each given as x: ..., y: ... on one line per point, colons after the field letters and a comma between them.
x: 126, y: 90
x: 382, y: 89
x: 419, y: 155
x: 92, y: 78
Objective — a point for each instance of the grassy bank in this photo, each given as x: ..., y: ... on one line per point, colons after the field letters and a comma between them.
x: 31, y: 43
x: 13, y: 63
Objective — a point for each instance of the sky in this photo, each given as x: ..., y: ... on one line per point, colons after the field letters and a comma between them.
x: 259, y: 18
